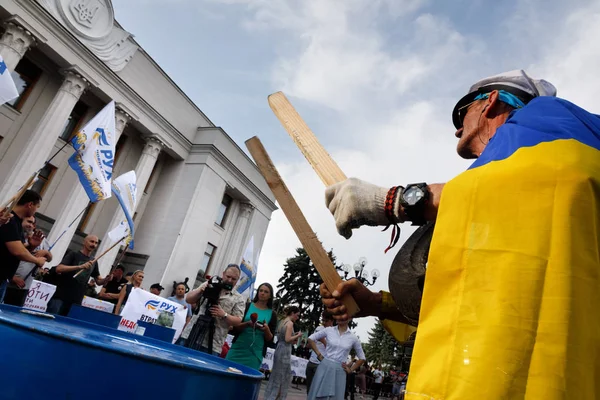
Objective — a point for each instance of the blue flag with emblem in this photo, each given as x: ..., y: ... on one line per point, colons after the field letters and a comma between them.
x: 8, y: 90
x: 125, y: 190
x: 95, y: 154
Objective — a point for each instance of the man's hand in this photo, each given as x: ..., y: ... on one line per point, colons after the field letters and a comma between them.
x: 18, y: 281
x: 108, y: 278
x: 217, y: 311
x: 36, y: 239
x: 86, y: 265
x: 42, y: 253
x: 5, y: 216
x: 368, y: 302
x: 40, y: 261
x: 354, y: 203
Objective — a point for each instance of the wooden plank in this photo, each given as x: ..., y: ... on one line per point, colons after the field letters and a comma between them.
x: 327, y: 169
x: 294, y: 215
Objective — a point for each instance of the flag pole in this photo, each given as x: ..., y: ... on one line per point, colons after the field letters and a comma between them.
x: 102, y: 255
x: 65, y: 231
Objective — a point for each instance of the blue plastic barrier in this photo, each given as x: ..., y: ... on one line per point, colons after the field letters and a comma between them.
x: 64, y: 358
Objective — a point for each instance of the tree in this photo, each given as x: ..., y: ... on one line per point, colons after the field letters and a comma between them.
x: 299, y: 285
x: 382, y: 348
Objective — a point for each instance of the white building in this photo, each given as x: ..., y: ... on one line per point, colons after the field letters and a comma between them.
x: 203, y: 198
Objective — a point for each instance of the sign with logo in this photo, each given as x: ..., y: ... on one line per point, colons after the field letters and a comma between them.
x: 38, y: 296
x: 147, y: 307
x: 97, y: 304
x: 298, y: 364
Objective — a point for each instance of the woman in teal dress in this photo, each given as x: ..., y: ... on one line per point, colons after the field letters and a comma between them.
x: 251, y: 339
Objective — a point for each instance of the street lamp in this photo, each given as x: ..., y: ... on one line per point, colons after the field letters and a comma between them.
x: 362, y: 274
x: 345, y: 268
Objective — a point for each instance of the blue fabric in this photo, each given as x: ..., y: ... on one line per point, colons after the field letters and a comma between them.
x: 543, y: 119
x: 3, y: 286
x: 329, y: 382
x: 504, y: 97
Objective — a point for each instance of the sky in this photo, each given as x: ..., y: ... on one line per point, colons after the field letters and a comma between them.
x: 376, y: 80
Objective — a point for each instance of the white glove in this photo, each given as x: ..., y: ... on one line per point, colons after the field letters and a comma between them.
x: 354, y: 203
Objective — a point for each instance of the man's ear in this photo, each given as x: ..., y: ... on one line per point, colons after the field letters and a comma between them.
x: 493, y: 101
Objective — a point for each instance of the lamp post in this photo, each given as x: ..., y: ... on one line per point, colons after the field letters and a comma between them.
x: 362, y: 274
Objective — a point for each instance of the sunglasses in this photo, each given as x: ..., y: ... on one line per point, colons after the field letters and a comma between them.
x: 462, y: 112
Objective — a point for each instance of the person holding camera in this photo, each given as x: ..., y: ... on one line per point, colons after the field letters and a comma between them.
x: 252, y: 336
x: 217, y: 299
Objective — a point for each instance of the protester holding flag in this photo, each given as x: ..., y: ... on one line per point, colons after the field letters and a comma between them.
x: 12, y: 249
x: 74, y: 272
x: 253, y: 335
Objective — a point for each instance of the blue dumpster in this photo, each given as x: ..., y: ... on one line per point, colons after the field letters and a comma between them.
x: 64, y: 358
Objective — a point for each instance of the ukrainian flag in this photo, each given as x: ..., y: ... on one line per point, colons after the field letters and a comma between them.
x: 511, y: 303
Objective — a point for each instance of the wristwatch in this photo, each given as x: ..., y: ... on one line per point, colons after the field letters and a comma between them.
x: 413, y: 200
x: 224, y: 316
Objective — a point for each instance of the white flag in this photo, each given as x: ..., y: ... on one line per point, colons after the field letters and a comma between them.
x: 8, y: 90
x: 95, y: 154
x: 120, y: 232
x: 125, y: 190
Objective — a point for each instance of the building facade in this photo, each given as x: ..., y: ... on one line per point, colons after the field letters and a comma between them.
x: 201, y: 199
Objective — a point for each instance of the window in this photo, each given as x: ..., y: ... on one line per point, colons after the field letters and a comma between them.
x: 86, y: 216
x: 223, y: 210
x: 74, y: 121
x: 25, y: 75
x: 44, y: 178
x: 206, y: 260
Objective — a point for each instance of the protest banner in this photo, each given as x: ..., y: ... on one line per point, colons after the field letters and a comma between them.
x: 145, y: 306
x: 38, y: 296
x: 297, y: 364
x: 96, y: 304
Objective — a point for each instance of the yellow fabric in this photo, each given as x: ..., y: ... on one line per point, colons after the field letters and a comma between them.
x: 511, y: 304
x: 398, y: 330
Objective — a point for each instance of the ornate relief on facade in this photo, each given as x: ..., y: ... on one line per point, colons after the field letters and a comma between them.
x: 93, y: 22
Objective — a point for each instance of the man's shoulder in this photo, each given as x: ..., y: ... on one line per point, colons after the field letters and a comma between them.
x: 319, y: 328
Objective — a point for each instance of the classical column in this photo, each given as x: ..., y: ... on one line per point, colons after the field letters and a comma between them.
x: 43, y: 138
x: 237, y: 238
x: 77, y: 201
x: 14, y: 43
x: 143, y: 170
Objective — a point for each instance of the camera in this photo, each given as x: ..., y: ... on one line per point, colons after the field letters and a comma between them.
x: 213, y: 290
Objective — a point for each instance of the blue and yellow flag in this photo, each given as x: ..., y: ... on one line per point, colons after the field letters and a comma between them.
x: 511, y: 300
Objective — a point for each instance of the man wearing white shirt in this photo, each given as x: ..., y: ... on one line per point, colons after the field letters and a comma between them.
x: 331, y: 372
x: 313, y: 362
x: 378, y: 376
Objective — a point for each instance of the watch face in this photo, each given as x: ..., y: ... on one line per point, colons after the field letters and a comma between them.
x: 413, y: 195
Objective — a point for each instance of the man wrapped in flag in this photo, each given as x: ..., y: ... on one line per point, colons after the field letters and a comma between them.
x: 125, y: 190
x: 512, y: 291
x: 248, y: 269
x: 8, y: 90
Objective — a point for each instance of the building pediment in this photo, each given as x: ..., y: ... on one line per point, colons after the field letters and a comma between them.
x: 93, y: 23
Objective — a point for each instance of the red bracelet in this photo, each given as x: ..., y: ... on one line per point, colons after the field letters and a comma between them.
x: 390, y: 200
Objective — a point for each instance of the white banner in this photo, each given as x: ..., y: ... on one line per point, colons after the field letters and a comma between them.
x: 298, y: 364
x: 145, y: 306
x: 96, y: 304
x: 39, y: 295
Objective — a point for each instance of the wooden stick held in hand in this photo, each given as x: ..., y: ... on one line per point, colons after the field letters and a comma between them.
x: 102, y: 255
x: 290, y: 208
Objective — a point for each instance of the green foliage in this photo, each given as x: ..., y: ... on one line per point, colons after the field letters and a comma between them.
x: 299, y: 286
x: 382, y: 348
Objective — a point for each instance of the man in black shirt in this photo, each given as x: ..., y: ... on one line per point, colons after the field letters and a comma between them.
x: 12, y: 249
x: 70, y: 289
x: 112, y: 290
